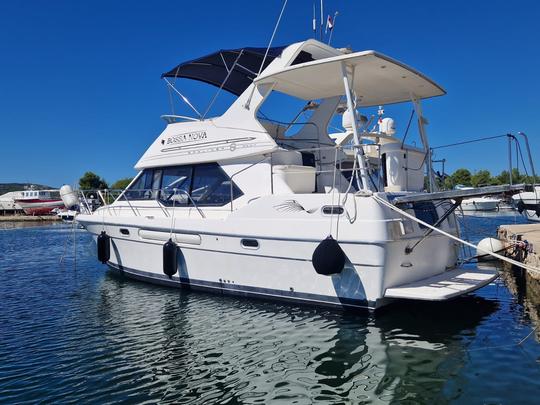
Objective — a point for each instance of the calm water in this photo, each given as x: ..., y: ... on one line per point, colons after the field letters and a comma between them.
x: 73, y: 332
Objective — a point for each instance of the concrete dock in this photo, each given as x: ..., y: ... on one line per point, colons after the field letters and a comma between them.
x: 524, y: 284
x: 29, y: 218
x: 527, y: 236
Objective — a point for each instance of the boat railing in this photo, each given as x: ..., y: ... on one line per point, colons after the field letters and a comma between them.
x: 513, y: 142
x: 171, y: 118
x: 92, y: 200
x: 336, y: 163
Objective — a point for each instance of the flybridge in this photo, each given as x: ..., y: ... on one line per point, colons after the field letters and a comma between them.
x: 375, y: 78
x: 307, y: 70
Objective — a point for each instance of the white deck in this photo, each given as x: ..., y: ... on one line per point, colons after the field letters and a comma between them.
x: 444, y: 286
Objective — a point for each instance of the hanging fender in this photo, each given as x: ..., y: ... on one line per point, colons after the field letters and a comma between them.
x: 328, y: 257
x: 170, y: 261
x: 103, y: 247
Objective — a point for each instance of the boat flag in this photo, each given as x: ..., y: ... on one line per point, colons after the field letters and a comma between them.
x: 329, y: 24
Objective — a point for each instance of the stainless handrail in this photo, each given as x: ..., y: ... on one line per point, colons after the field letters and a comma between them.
x: 190, y: 199
x: 124, y: 194
x: 330, y: 148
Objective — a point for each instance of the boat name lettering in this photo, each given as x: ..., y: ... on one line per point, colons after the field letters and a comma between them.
x: 189, y: 137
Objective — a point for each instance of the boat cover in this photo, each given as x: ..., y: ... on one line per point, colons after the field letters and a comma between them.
x: 213, y: 68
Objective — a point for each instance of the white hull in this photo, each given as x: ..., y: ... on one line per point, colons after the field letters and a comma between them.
x: 529, y: 202
x: 531, y: 216
x: 211, y: 255
x: 480, y: 204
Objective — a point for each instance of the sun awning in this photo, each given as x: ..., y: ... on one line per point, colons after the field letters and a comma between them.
x: 377, y: 79
x: 213, y: 68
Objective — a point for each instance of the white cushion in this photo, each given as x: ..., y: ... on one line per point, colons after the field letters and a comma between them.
x: 299, y: 179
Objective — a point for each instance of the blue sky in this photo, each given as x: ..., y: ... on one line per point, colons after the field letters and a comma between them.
x: 80, y: 84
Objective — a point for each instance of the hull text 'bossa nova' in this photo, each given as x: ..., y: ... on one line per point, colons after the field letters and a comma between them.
x: 244, y: 204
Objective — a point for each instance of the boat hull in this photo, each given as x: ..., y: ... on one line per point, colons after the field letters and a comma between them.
x: 39, y: 207
x: 478, y: 205
x: 262, y: 251
x: 280, y: 268
x: 241, y: 290
x: 531, y: 216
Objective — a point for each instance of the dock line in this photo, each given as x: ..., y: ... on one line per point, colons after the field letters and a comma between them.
x: 413, y: 218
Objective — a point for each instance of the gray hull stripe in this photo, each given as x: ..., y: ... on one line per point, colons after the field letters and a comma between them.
x: 243, y: 290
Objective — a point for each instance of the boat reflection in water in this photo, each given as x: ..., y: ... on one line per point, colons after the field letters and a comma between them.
x: 526, y: 289
x: 191, y: 345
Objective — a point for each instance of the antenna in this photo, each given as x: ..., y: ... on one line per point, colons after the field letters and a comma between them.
x: 314, y: 22
x: 322, y: 18
x: 272, y: 38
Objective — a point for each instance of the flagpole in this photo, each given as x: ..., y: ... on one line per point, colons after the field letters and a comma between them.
x: 333, y: 26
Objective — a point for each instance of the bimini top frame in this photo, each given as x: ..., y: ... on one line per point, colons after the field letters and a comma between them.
x: 232, y: 69
x: 376, y: 79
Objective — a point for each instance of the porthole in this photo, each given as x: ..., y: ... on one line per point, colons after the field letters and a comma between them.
x: 250, y: 243
x: 332, y: 210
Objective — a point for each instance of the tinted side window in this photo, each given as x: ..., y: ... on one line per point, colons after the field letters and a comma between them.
x: 178, y: 178
x: 212, y: 186
x: 142, y: 188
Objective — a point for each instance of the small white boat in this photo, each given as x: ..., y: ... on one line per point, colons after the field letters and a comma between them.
x: 528, y: 204
x: 483, y: 203
x: 67, y: 215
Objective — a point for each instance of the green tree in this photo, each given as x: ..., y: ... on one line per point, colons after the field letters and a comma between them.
x: 91, y: 181
x: 504, y: 177
x: 121, y: 184
x: 461, y: 176
x: 517, y: 177
x: 481, y: 178
x: 448, y: 183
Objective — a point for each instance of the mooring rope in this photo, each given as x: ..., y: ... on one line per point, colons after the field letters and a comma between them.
x: 413, y: 218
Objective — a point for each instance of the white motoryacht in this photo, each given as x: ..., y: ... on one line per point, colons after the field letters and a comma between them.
x: 235, y: 204
x: 528, y: 204
x: 484, y: 203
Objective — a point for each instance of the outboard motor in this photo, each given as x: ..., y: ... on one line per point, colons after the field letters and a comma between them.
x: 328, y: 258
x: 103, y: 247
x: 170, y: 261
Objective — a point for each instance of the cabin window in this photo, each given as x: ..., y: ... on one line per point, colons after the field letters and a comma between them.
x: 141, y: 189
x: 207, y: 185
x: 178, y: 178
x: 212, y: 187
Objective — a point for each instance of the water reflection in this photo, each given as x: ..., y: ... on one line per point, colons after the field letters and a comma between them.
x: 201, y: 347
x: 83, y: 334
x: 526, y: 289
